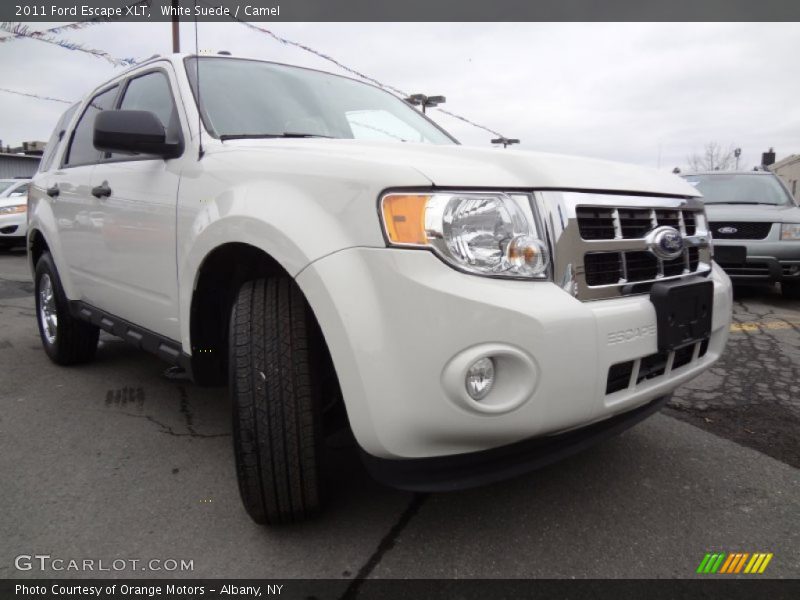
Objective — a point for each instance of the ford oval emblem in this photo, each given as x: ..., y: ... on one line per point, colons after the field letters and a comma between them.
x: 666, y: 243
x: 727, y: 230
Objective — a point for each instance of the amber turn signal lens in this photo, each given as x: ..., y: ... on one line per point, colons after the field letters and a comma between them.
x: 404, y: 218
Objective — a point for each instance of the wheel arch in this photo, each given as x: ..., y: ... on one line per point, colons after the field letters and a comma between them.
x: 36, y: 245
x: 216, y: 282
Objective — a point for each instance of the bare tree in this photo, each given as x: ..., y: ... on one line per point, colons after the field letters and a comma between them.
x: 713, y: 158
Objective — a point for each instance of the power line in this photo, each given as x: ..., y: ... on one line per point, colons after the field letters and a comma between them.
x: 29, y: 95
x: 321, y: 55
x: 20, y: 30
x: 466, y: 120
x: 359, y: 74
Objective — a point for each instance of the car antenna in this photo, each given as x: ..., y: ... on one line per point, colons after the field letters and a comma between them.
x: 200, y: 150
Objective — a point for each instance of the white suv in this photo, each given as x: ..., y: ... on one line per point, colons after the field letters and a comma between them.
x: 336, y: 258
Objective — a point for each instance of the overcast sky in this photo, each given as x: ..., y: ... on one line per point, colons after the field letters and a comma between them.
x: 645, y: 93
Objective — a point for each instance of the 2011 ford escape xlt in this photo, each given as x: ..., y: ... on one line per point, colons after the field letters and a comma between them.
x: 335, y: 257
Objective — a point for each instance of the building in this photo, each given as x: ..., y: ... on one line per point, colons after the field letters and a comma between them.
x: 788, y: 169
x: 21, y: 161
x: 17, y: 165
x: 30, y: 148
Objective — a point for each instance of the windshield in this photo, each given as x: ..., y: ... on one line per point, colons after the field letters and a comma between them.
x: 740, y: 188
x: 4, y: 185
x: 248, y: 98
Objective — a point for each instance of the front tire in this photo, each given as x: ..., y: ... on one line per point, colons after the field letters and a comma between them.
x: 66, y: 340
x: 276, y: 408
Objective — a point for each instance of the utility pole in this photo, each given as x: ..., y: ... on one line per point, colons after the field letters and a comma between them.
x: 176, y: 32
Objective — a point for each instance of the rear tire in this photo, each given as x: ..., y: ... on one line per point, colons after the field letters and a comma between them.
x: 66, y: 340
x: 791, y: 290
x: 276, y: 407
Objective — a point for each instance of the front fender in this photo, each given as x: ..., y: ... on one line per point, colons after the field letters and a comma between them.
x: 294, y: 237
x: 296, y: 206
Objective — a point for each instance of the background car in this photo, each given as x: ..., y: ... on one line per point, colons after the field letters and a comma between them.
x: 13, y: 212
x: 755, y: 224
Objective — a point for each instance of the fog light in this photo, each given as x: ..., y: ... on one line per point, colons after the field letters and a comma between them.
x: 480, y: 378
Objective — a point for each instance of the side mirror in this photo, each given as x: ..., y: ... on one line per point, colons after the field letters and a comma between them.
x: 133, y: 132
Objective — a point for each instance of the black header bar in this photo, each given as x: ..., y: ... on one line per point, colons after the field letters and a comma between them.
x: 401, y: 10
x: 734, y: 588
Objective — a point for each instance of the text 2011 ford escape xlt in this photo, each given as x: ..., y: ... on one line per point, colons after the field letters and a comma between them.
x: 337, y: 259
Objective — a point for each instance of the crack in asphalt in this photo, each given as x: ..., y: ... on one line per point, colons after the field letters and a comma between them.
x: 387, y: 543
x: 752, y: 394
x: 167, y: 429
x: 757, y: 368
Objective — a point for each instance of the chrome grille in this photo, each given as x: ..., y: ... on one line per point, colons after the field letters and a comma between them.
x: 633, y: 222
x: 608, y: 268
x: 600, y: 244
x: 605, y: 268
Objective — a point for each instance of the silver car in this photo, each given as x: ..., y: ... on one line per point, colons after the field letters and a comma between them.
x: 755, y: 224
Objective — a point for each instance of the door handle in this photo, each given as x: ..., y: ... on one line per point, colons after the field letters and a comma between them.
x: 101, y: 191
x: 53, y: 190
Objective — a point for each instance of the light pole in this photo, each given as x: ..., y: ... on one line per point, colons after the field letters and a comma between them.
x: 425, y: 101
x: 505, y: 141
x: 737, y: 153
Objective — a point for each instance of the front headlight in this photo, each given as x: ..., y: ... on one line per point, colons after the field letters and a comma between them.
x: 11, y: 210
x: 790, y: 231
x: 485, y: 233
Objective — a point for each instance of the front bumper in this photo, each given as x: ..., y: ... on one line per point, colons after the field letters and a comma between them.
x: 461, y: 471
x: 767, y: 261
x: 396, y: 321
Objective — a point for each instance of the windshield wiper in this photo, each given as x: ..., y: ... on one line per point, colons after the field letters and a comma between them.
x: 285, y: 134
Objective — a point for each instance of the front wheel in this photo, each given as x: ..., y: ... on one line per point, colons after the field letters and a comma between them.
x: 276, y: 408
x: 66, y: 340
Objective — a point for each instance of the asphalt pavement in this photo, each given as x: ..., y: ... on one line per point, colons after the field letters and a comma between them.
x: 114, y: 460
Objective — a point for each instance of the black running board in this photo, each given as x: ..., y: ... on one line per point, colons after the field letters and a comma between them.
x: 163, y: 347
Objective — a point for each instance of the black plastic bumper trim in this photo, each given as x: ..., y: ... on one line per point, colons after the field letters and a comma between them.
x: 772, y: 266
x: 461, y: 471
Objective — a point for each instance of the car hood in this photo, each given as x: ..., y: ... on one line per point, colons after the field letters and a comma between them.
x: 471, y: 167
x: 755, y: 213
x: 12, y: 201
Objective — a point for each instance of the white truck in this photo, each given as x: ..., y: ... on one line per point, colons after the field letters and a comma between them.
x: 335, y: 257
